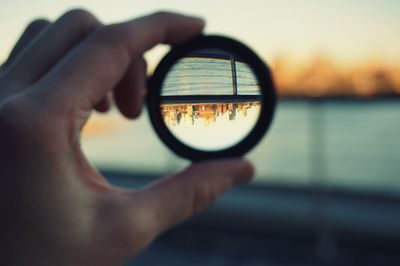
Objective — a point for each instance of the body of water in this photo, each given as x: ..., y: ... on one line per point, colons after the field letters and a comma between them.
x: 356, y: 145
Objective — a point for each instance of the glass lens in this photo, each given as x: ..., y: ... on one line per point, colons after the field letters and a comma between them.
x: 210, y: 100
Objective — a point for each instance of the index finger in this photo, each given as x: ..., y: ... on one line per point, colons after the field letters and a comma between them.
x: 97, y: 65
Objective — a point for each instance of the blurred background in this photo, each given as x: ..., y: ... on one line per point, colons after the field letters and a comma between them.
x: 327, y: 187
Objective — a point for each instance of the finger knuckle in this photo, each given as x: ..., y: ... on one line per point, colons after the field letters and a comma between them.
x: 18, y: 115
x: 111, y: 37
x: 161, y: 16
x: 10, y: 113
x: 110, y: 33
x: 81, y: 18
x: 38, y: 24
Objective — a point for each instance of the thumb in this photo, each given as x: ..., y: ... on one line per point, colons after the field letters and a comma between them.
x: 180, y: 196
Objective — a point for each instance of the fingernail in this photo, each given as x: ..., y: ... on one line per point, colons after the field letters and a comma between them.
x: 245, y: 172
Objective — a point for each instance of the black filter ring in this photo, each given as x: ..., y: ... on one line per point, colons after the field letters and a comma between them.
x: 265, y: 82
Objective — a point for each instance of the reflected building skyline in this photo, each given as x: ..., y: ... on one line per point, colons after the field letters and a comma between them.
x: 210, y: 100
x: 175, y: 114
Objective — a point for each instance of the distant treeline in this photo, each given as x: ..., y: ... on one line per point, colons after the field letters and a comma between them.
x: 322, y: 77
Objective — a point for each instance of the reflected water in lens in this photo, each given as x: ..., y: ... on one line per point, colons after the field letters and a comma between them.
x: 210, y: 100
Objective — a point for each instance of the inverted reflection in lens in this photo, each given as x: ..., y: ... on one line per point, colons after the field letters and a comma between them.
x: 210, y: 100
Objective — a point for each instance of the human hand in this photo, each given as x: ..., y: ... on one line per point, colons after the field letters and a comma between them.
x: 56, y: 208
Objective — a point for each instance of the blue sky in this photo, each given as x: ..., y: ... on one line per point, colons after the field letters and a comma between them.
x: 346, y: 30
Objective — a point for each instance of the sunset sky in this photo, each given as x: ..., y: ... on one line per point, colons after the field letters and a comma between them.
x: 346, y: 30
x: 352, y: 33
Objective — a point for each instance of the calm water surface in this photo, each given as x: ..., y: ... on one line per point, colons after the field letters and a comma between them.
x: 361, y: 146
